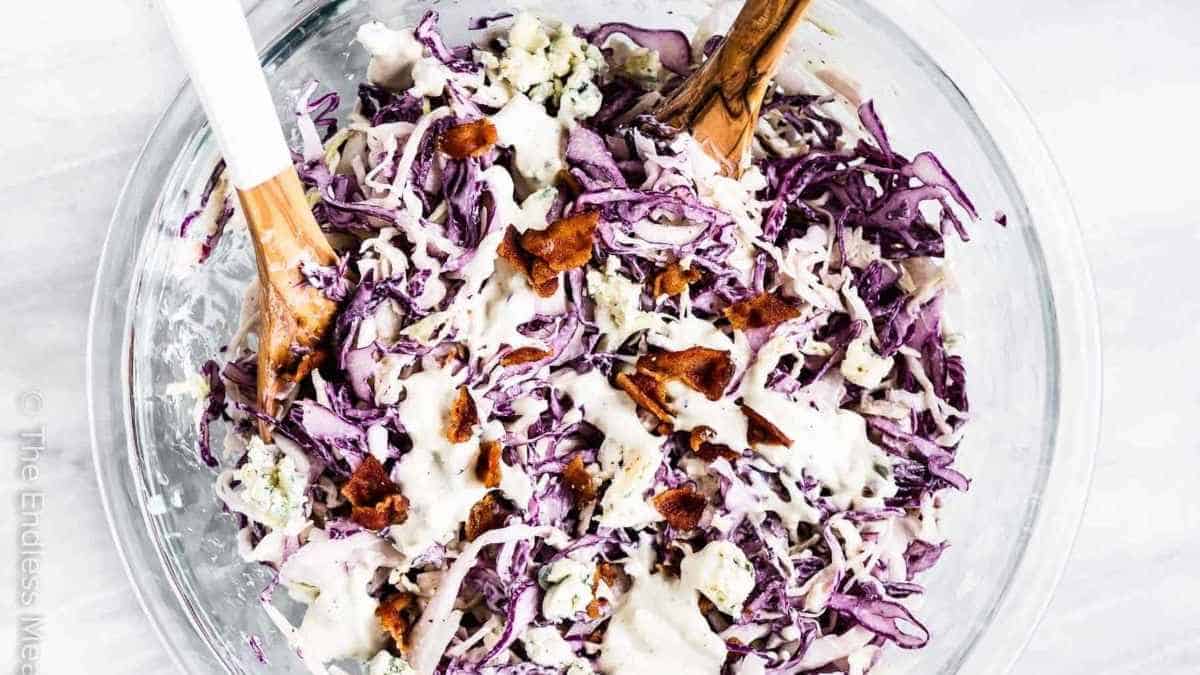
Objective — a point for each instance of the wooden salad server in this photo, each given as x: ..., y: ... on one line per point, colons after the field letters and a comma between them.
x: 294, y: 318
x: 720, y: 102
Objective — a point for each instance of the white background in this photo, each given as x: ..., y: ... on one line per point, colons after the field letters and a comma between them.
x: 1114, y: 85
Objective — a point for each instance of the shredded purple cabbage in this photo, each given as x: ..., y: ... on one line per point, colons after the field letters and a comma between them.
x: 673, y: 46
x: 214, y: 409
x: 223, y: 213
x: 839, y: 225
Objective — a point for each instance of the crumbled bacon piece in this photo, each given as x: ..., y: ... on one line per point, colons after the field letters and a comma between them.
x: 760, y: 311
x: 395, y: 507
x: 368, y: 484
x: 511, y: 251
x: 647, y: 392
x: 541, y: 274
x: 596, y: 608
x: 487, y: 467
x: 565, y: 244
x: 612, y: 575
x: 487, y: 514
x: 674, y: 280
x: 762, y: 431
x: 571, y: 183
x: 470, y: 139
x: 396, y: 616
x: 699, y: 439
x: 462, y: 418
x: 682, y: 507
x: 449, y: 353
x: 391, y: 510
x: 375, y: 500
x: 669, y: 566
x: 708, y: 371
x: 579, y: 481
x: 524, y: 355
x: 542, y: 254
x: 368, y: 517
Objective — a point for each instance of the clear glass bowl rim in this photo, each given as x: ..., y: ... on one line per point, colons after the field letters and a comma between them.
x: 1004, y: 119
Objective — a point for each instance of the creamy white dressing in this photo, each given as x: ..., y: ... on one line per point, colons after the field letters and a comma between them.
x: 332, y: 576
x: 528, y: 411
x: 687, y: 332
x: 794, y: 510
x: 530, y: 215
x: 862, y: 365
x: 382, y: 257
x: 436, y: 475
x: 377, y: 441
x: 630, y: 453
x: 393, y: 53
x: 490, y: 321
x: 389, y: 385
x: 693, y: 409
x: 495, y: 300
x: 537, y: 139
x: 751, y: 664
x: 421, y: 237
x: 830, y: 445
x: 658, y: 628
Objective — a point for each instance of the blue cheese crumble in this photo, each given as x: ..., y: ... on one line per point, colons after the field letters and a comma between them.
x: 722, y: 573
x: 273, y: 486
x: 384, y: 663
x: 568, y: 585
x: 547, y: 62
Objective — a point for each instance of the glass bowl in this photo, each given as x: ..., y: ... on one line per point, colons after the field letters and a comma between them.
x: 1024, y: 305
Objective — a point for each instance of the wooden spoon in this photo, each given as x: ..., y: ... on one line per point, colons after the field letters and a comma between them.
x: 720, y: 102
x: 214, y: 40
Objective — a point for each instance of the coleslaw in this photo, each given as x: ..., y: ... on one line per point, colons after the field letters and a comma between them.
x: 590, y: 404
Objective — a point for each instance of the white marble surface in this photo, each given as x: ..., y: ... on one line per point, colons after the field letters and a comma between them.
x: 1115, y: 86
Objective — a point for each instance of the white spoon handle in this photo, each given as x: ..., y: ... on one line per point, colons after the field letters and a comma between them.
x: 214, y: 40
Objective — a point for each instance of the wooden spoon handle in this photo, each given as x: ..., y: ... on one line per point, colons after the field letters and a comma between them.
x: 720, y: 103
x: 287, y: 236
x: 218, y: 50
x: 295, y: 317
